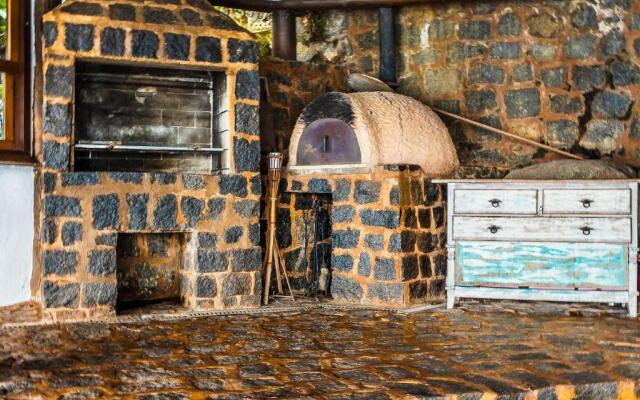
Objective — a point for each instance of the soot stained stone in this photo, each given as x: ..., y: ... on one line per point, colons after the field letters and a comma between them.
x: 236, y: 285
x: 407, y: 241
x: 394, y: 195
x: 480, y: 100
x: 233, y: 184
x: 212, y: 261
x: 191, y: 17
x: 222, y: 22
x: 384, y: 218
x: 59, y: 81
x: 410, y: 220
x: 345, y: 239
x: 248, y: 85
x: 346, y: 289
x: 176, y: 47
x: 192, y: 210
x: 78, y: 37
x: 409, y: 267
x: 166, y: 213
x: 137, y: 210
x: 427, y: 242
x: 425, y: 266
x: 144, y: 44
x: 163, y: 178
x: 342, y: 262
x: 246, y: 155
x: 56, y: 155
x: 247, y: 119
x: 49, y: 33
x: 431, y: 192
x: 418, y: 290
x: 208, y: 49
x: 247, y: 260
x: 522, y: 103
x: 126, y: 177
x: 215, y: 206
x: 106, y: 211
x: 441, y: 264
x: 59, y: 262
x: 99, y: 294
x: 342, y: 214
x: 610, y: 104
x: 102, y: 262
x: 386, y: 291
x: 206, y: 287
x: 83, y: 9
x: 384, y: 269
x: 367, y: 192
x: 193, y: 182
x: 61, y: 206
x: 364, y: 265
x: 242, y: 51
x: 156, y: 15
x: 57, y: 119
x: 233, y: 234
x: 112, y: 42
x: 602, y: 135
x: 71, y: 233
x: 588, y: 77
x: 329, y: 105
x: 49, y: 231
x: 247, y: 208
x: 122, y: 12
x: 60, y: 295
x: 439, y: 216
x: 342, y: 191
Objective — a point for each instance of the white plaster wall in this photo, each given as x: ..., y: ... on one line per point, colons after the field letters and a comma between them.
x: 16, y: 233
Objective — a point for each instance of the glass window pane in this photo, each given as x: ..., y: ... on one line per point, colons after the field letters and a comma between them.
x: 3, y: 29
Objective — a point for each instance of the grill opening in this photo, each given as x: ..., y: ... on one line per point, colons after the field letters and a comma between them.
x: 150, y: 119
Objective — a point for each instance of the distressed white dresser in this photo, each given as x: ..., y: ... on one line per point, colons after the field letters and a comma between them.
x: 572, y: 241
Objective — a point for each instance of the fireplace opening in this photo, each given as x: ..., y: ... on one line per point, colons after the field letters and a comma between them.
x: 148, y: 272
x: 150, y: 119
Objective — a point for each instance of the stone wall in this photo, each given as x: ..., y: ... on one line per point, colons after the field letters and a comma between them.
x: 83, y: 213
x: 387, y: 234
x: 562, y: 72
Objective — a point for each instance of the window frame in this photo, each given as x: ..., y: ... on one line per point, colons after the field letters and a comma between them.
x: 16, y: 145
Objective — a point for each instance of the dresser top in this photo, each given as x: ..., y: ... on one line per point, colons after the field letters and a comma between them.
x: 536, y: 181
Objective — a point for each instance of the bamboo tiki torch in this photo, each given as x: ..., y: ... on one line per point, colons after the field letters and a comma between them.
x: 275, y: 165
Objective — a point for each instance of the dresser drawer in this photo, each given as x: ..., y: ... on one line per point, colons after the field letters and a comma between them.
x: 587, y: 201
x: 507, y: 201
x: 540, y: 229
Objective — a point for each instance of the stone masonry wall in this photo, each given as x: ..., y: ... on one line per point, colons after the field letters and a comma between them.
x: 388, y: 235
x: 562, y: 72
x: 83, y: 212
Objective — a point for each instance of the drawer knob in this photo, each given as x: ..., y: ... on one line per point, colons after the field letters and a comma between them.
x: 586, y: 230
x: 494, y: 229
x: 495, y: 203
x: 586, y: 203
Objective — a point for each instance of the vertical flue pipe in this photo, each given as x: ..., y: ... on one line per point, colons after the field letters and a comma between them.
x: 387, y: 45
x: 284, y: 34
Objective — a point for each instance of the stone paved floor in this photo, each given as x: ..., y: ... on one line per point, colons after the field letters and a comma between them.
x: 326, y: 354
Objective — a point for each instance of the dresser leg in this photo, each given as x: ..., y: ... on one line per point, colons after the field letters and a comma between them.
x: 451, y: 299
x: 633, y: 308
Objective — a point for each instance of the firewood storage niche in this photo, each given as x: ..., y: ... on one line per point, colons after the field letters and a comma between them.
x: 150, y: 119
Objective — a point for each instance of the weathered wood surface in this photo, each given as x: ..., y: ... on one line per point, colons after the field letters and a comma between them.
x: 565, y: 229
x: 542, y: 265
x: 483, y: 201
x: 587, y: 201
x: 594, y: 296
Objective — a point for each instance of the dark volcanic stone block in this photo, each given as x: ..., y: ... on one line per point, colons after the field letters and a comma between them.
x: 562, y: 132
x: 554, y: 77
x: 563, y: 104
x: 157, y: 15
x: 610, y: 105
x: 342, y: 190
x: 206, y: 286
x: 192, y: 209
x: 395, y: 243
x: 440, y: 262
x: 191, y: 17
x: 364, y: 265
x: 112, y: 42
x: 78, y: 37
x: 394, y: 195
x: 247, y: 260
x: 480, y: 100
x: 256, y: 185
x: 221, y: 21
x: 374, y: 241
x: 71, y: 233
x: 122, y: 12
x: 248, y: 85
x: 212, y: 261
x: 246, y: 155
x: 49, y: 182
x: 425, y: 266
x: 59, y: 81
x: 584, y: 16
x: 283, y: 227
x: 61, y: 206
x: 80, y: 178
x: 319, y: 186
x: 138, y: 209
x: 247, y: 119
x: 57, y: 119
x: 233, y: 234
x: 588, y: 77
x: 102, y: 262
x: 99, y: 294
x: 384, y: 218
x: 144, y: 44
x: 624, y: 73
x: 509, y: 24
x: 126, y: 177
x: 342, y: 214
x: 474, y: 30
x: 418, y: 290
x: 59, y: 262
x: 439, y: 216
x: 208, y: 49
x: 176, y: 47
x: 254, y: 234
x: 60, y: 295
x: 367, y: 192
x: 522, y: 103
x: 215, y: 207
x: 386, y: 292
x: 163, y: 178
x: 407, y: 241
x: 247, y: 208
x: 505, y: 50
x: 207, y: 240
x: 49, y: 231
x: 242, y: 51
x: 193, y: 181
x: 236, y: 285
x: 233, y: 184
x: 485, y: 73
x: 410, y: 220
x: 107, y: 239
x: 49, y: 33
x: 346, y: 289
x: 384, y: 269
x: 580, y: 47
x: 56, y: 155
x: 83, y: 8
x: 611, y: 44
x: 342, y: 262
x: 427, y: 242
x: 345, y: 239
x: 165, y: 216
x: 106, y: 211
x: 522, y: 72
x: 409, y: 267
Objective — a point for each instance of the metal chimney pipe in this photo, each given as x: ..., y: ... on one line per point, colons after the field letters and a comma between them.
x: 387, y: 45
x: 284, y: 34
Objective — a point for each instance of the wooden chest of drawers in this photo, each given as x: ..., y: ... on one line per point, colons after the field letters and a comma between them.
x: 573, y: 241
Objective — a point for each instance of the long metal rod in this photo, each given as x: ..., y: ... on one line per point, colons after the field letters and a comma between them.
x: 509, y: 135
x: 161, y: 149
x: 312, y: 5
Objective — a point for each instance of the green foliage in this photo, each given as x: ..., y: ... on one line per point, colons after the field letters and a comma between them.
x: 255, y: 22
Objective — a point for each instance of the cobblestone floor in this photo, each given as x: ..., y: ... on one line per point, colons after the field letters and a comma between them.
x: 327, y: 354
